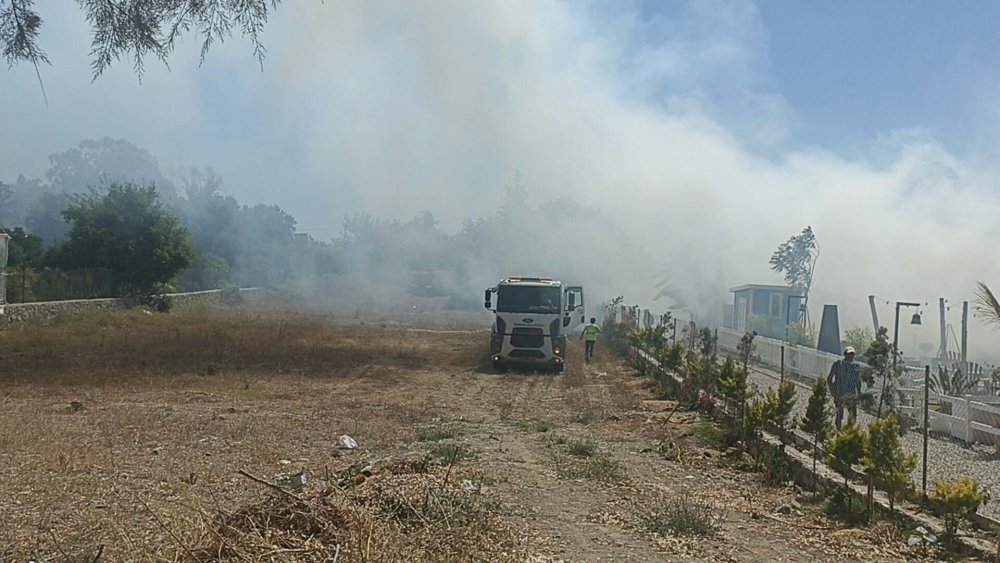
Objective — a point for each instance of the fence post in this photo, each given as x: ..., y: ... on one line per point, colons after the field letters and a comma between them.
x: 968, y: 419
x: 926, y: 408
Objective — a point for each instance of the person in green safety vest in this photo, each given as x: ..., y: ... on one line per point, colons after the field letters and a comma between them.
x: 590, y: 331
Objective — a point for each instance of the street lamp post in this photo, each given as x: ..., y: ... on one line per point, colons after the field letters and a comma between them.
x: 788, y: 307
x: 895, y: 349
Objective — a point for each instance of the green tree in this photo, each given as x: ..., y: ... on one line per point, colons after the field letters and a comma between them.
x: 778, y: 405
x: 136, y: 29
x: 95, y: 163
x: 879, y: 355
x: 816, y: 421
x: 733, y: 381
x: 24, y: 251
x: 846, y: 449
x: 796, y: 258
x: 885, y: 460
x: 128, y: 232
x: 859, y: 338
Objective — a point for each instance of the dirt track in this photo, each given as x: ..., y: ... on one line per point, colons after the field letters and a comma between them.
x: 138, y: 458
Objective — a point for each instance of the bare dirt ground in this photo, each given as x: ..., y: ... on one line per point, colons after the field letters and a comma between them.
x: 121, y: 438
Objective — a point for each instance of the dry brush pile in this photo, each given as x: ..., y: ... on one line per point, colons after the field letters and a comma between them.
x: 415, y: 510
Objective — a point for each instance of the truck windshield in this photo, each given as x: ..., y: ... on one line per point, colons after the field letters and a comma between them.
x: 528, y: 299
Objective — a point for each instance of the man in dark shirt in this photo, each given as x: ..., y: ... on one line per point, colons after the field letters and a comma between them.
x: 845, y: 386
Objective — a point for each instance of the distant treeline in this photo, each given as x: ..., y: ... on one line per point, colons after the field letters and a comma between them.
x: 62, y: 230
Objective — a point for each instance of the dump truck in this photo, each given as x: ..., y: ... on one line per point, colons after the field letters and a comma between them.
x: 531, y: 318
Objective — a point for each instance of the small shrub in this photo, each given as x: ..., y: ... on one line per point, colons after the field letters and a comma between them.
x: 585, y: 418
x: 597, y: 468
x: 664, y: 389
x: 436, y: 434
x: 778, y: 405
x: 705, y: 403
x: 159, y: 303
x: 773, y: 465
x: 420, y: 465
x: 682, y: 517
x: 958, y: 501
x: 601, y: 468
x: 672, y: 357
x: 230, y: 295
x: 846, y: 448
x: 885, y: 459
x: 453, y: 453
x: 533, y: 426
x: 709, y: 434
x: 581, y: 449
x: 840, y: 506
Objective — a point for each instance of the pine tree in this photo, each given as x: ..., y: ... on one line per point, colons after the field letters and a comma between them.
x: 846, y: 449
x: 817, y: 419
x: 779, y: 404
x: 885, y: 459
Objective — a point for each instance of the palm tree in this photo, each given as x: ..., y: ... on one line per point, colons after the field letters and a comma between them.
x: 987, y: 304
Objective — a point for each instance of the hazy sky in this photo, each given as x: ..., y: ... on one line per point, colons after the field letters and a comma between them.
x: 714, y: 130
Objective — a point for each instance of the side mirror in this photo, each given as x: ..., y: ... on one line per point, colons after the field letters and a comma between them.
x: 572, y: 302
x: 487, y: 302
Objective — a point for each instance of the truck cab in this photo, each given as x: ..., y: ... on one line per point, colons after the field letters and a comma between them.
x: 532, y: 317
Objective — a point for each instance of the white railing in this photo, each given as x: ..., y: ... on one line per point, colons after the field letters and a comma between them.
x: 970, y: 421
x: 800, y: 361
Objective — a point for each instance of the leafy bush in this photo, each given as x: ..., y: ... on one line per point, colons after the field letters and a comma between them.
x: 708, y: 433
x: 581, y: 449
x: 453, y: 453
x: 840, y: 505
x: 885, y: 459
x: 160, y: 303
x: 773, y: 465
x: 672, y: 357
x: 436, y: 434
x: 682, y: 517
x: 230, y: 295
x: 846, y: 449
x: 534, y: 425
x: 958, y: 501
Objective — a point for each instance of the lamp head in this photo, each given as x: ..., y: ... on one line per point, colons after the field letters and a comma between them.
x: 916, y: 319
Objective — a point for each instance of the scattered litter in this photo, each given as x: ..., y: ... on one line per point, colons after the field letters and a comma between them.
x: 470, y: 486
x: 347, y: 442
x: 293, y: 481
x: 284, y: 462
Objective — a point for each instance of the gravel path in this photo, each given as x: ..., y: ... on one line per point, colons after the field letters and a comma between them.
x: 947, y: 459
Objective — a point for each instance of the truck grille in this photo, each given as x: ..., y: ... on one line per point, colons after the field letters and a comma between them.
x: 527, y: 338
x: 527, y: 354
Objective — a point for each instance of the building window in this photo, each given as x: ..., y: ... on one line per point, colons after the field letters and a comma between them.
x: 776, y: 305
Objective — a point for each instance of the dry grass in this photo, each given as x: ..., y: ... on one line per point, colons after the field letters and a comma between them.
x: 138, y: 423
x: 208, y: 341
x: 121, y: 438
